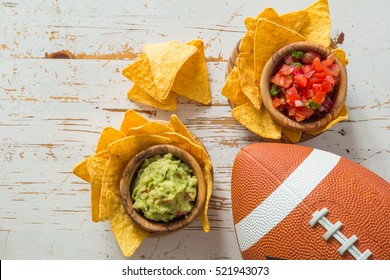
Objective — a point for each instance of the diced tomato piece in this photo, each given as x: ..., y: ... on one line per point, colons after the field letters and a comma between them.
x: 326, y: 86
x: 276, y: 79
x: 310, y: 93
x: 317, y: 65
x: 306, y: 68
x: 282, y: 81
x: 319, y: 97
x: 303, y: 113
x: 292, y: 94
x: 335, y: 68
x: 285, y: 81
x: 300, y: 116
x: 282, y: 101
x: 317, y: 87
x: 301, y: 80
x: 292, y: 111
x: 320, y: 75
x: 327, y: 70
x: 276, y: 102
x: 306, y: 93
x: 310, y: 74
x: 329, y: 60
x: 330, y: 79
x: 286, y: 70
x: 313, y: 81
x: 308, y: 57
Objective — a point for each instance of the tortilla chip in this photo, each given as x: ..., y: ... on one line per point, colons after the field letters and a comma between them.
x: 209, y: 185
x: 165, y: 60
x: 137, y: 94
x: 108, y: 136
x: 259, y: 122
x: 293, y: 20
x: 81, y: 170
x: 110, y: 183
x: 149, y: 128
x: 265, y: 44
x: 343, y: 115
x: 247, y: 43
x: 132, y: 119
x: 232, y: 88
x: 340, y: 54
x: 127, y: 147
x: 197, y: 151
x: 293, y: 135
x: 248, y: 86
x: 317, y: 25
x: 176, y: 125
x: 128, y: 235
x: 140, y: 73
x: 192, y: 80
x: 96, y: 167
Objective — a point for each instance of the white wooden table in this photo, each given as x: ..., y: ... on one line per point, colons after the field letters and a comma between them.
x: 52, y: 112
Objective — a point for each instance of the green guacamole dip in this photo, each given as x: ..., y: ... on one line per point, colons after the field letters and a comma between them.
x: 164, y: 188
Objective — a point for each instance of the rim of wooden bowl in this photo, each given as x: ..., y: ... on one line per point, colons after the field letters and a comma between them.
x: 129, y: 175
x: 272, y: 67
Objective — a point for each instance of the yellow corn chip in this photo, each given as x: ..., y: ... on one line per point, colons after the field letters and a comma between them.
x: 195, y: 150
x: 259, y: 122
x: 340, y: 54
x: 81, y: 170
x: 209, y: 185
x: 232, y: 88
x: 128, y: 235
x: 247, y: 43
x: 269, y: 38
x: 108, y: 136
x: 248, y: 86
x: 293, y: 135
x: 317, y: 25
x: 96, y: 167
x: 343, y: 115
x: 293, y: 20
x: 127, y: 147
x: 140, y: 73
x: 110, y: 182
x: 192, y: 80
x: 137, y: 94
x: 165, y: 60
x: 149, y: 128
x: 179, y: 127
x: 132, y: 119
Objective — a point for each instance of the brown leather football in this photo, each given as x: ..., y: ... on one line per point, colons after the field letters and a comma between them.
x: 295, y: 202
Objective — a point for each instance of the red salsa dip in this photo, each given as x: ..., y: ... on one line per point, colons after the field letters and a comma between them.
x: 303, y: 86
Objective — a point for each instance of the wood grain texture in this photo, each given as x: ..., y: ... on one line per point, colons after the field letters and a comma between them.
x: 52, y: 112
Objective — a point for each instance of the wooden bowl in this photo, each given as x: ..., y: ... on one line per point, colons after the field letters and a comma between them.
x: 130, y: 173
x: 231, y: 64
x: 272, y: 67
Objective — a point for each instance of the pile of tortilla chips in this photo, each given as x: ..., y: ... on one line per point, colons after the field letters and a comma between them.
x: 167, y: 69
x: 113, y: 152
x: 266, y: 34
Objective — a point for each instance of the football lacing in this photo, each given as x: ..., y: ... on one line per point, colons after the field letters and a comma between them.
x: 347, y: 244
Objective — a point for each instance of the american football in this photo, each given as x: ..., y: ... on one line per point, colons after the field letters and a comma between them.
x: 295, y: 202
